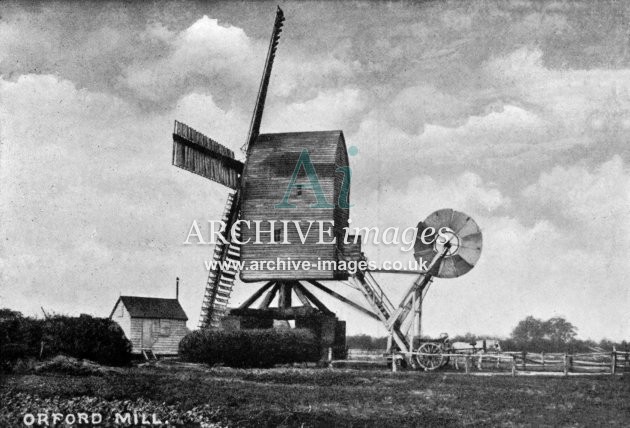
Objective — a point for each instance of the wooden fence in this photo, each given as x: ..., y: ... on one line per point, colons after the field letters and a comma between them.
x: 543, y: 363
x: 511, y: 362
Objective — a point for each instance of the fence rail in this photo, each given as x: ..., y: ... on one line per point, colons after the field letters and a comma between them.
x: 515, y: 362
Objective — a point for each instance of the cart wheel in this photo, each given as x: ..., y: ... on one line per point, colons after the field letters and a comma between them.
x: 434, y: 360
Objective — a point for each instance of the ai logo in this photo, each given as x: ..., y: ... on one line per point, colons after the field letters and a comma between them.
x: 314, y: 185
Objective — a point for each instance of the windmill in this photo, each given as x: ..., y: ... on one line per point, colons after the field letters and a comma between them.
x: 288, y: 179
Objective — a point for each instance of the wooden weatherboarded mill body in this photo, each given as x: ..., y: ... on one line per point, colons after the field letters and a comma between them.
x: 279, y: 191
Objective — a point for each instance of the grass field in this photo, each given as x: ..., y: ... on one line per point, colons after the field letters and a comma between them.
x: 193, y: 395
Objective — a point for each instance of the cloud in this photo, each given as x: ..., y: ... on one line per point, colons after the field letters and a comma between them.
x: 91, y: 205
x: 201, y: 53
x: 222, y: 59
x: 495, y: 143
x: 593, y: 102
x: 596, y: 203
x: 415, y: 106
x: 583, y: 254
x: 297, y: 74
x: 330, y: 109
x: 228, y: 127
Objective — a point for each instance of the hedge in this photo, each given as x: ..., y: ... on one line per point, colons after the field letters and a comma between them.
x: 250, y: 348
x: 85, y: 337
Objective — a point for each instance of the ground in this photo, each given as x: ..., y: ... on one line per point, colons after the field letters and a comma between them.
x: 194, y: 395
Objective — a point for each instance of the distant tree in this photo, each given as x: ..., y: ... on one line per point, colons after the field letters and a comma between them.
x: 559, y: 330
x: 364, y: 341
x: 360, y: 341
x: 528, y: 330
x: 468, y: 338
x: 554, y: 334
x: 554, y: 329
x: 609, y: 344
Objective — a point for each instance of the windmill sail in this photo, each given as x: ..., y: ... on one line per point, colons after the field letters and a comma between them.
x: 201, y: 155
x: 254, y: 127
x: 221, y: 281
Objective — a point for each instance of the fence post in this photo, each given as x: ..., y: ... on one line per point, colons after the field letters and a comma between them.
x: 330, y: 358
x: 394, y: 368
x: 542, y: 359
x: 566, y: 365
x: 625, y: 364
x: 467, y: 363
x: 613, y: 364
x: 524, y: 358
x: 513, y: 365
x: 498, y: 361
x: 479, y: 362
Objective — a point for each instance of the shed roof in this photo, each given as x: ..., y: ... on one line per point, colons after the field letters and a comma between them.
x: 152, y: 307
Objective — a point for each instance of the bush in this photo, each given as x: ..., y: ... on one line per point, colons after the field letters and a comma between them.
x: 85, y: 337
x: 13, y: 351
x: 19, y: 336
x: 97, y: 339
x: 249, y: 348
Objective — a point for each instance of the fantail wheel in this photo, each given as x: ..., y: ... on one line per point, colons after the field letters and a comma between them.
x: 459, y: 238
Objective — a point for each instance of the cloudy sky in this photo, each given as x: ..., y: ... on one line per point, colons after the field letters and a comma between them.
x: 517, y: 113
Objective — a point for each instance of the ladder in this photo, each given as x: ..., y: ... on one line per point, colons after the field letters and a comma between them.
x: 221, y: 281
x: 383, y: 307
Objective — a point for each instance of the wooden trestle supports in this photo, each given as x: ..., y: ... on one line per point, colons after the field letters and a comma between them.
x: 284, y: 289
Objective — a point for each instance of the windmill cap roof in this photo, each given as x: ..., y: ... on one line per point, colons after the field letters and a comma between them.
x: 318, y: 139
x: 281, y: 148
x: 329, y: 132
x: 153, y: 307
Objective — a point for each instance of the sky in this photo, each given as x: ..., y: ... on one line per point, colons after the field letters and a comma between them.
x: 516, y: 113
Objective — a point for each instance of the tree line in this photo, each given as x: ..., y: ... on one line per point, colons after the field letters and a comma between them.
x: 530, y: 334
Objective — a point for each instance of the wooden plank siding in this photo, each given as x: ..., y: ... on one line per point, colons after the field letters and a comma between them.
x: 161, y: 344
x: 271, y: 162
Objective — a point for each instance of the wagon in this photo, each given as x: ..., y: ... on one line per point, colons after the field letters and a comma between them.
x: 433, y: 354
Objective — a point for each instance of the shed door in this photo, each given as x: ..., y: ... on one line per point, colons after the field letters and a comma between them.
x: 147, y: 337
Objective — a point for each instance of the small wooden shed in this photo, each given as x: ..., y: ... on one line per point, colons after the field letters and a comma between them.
x: 270, y: 173
x: 151, y: 324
